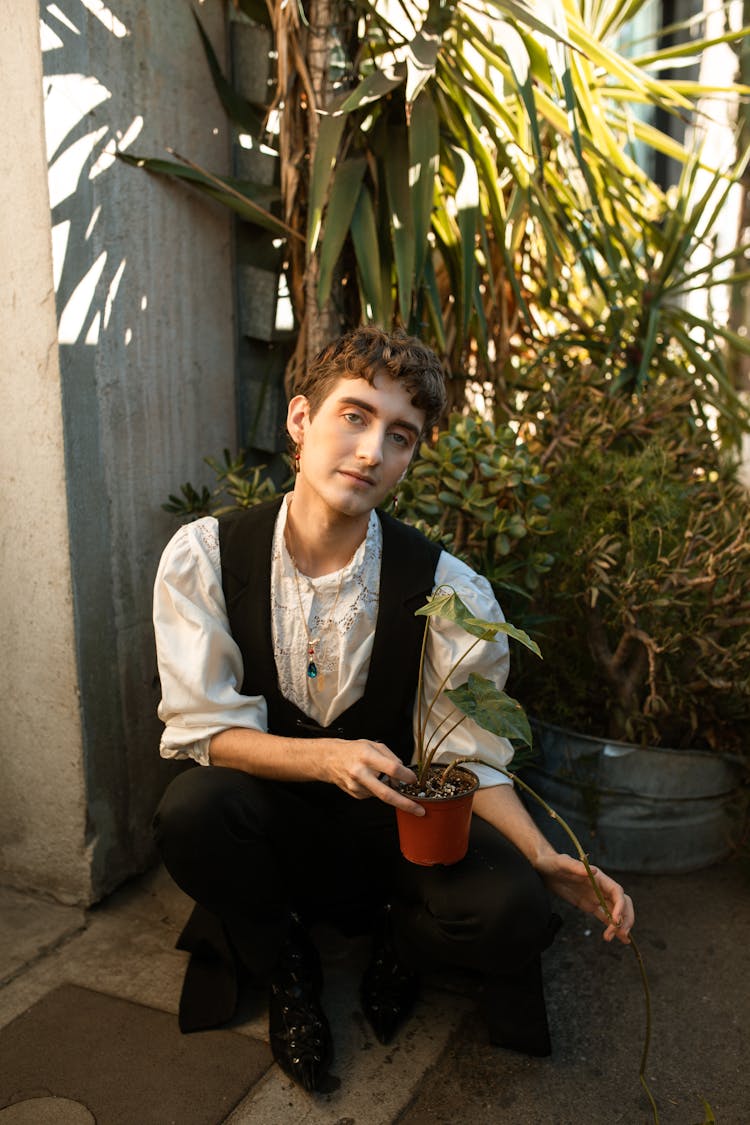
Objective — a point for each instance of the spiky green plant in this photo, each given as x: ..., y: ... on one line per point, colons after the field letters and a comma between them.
x: 460, y: 147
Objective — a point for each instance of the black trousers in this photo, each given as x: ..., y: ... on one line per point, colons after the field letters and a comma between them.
x: 250, y: 850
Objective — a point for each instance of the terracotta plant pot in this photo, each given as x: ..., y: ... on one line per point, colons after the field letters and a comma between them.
x: 442, y: 834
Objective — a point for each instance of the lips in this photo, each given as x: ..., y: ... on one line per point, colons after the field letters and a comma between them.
x: 359, y: 477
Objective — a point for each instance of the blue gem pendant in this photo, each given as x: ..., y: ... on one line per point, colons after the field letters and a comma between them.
x: 312, y: 667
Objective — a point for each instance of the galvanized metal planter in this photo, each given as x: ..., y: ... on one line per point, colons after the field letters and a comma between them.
x: 642, y: 809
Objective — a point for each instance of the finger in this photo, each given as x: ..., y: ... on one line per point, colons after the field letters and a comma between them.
x: 392, y: 766
x: 402, y: 773
x: 392, y: 797
x: 618, y: 925
x: 605, y: 916
x: 618, y: 932
x: 612, y: 892
x: 629, y: 919
x: 609, y: 888
x: 626, y: 922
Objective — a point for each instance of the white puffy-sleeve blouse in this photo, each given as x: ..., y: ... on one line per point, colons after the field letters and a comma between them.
x: 201, y: 667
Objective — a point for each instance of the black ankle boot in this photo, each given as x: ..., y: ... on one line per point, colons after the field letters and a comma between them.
x: 300, y: 1036
x: 389, y: 989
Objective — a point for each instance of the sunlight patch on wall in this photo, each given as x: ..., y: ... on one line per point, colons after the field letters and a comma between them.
x: 81, y: 138
x: 79, y: 303
x: 55, y: 11
x: 92, y: 336
x: 107, y: 17
x: 121, y: 141
x: 114, y: 285
x: 67, y: 99
x: 92, y: 221
x: 48, y: 39
x: 65, y: 173
x: 60, y: 235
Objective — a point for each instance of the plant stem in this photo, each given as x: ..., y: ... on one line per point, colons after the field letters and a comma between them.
x: 637, y: 953
x: 590, y: 875
x: 420, y: 690
x: 647, y: 1036
x: 423, y: 727
x: 451, y: 766
x: 430, y: 754
x: 441, y: 724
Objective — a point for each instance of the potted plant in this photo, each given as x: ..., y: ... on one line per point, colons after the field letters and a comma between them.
x: 446, y: 792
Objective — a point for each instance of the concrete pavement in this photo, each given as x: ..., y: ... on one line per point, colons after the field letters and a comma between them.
x: 692, y: 929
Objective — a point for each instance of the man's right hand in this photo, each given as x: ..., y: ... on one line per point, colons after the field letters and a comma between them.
x: 360, y: 767
x: 364, y: 769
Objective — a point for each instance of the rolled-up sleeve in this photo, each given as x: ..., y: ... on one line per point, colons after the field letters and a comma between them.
x: 200, y: 665
x: 445, y: 644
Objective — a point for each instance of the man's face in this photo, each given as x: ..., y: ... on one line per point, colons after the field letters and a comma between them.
x: 357, y: 445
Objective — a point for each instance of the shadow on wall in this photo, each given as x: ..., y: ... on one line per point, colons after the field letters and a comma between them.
x: 74, y: 149
x: 146, y: 362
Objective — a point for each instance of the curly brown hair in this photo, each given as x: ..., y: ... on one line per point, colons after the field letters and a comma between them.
x: 365, y: 351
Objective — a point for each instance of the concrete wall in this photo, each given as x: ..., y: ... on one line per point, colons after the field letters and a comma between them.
x: 43, y: 811
x: 146, y: 360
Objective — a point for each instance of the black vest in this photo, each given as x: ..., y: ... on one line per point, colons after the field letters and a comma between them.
x: 407, y: 577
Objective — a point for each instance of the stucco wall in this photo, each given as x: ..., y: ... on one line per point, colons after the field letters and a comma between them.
x: 42, y: 812
x: 146, y: 358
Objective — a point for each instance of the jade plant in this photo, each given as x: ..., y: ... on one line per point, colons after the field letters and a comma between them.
x: 645, y: 611
x: 238, y: 485
x: 479, y: 491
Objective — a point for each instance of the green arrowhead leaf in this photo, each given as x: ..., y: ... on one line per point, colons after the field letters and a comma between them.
x: 492, y: 709
x: 445, y: 602
x: 509, y: 630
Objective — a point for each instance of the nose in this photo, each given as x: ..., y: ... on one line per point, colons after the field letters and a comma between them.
x: 370, y: 446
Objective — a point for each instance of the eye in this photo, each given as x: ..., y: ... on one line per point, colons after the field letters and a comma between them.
x: 353, y: 418
x: 398, y: 438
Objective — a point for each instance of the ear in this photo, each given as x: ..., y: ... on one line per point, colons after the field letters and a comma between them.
x: 297, y: 417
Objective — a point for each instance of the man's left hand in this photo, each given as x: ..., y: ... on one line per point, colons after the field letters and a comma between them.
x: 567, y: 878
